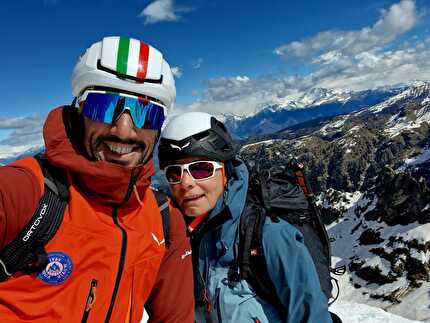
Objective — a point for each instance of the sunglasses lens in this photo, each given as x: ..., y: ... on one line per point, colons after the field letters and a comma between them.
x: 173, y: 173
x: 107, y: 107
x: 156, y: 116
x: 101, y: 107
x: 201, y: 170
x: 148, y: 115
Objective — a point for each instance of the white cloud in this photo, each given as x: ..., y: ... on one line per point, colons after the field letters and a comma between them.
x: 20, y: 122
x: 240, y: 95
x: 177, y: 72
x: 162, y: 10
x: 26, y: 130
x: 371, y: 69
x: 394, y: 22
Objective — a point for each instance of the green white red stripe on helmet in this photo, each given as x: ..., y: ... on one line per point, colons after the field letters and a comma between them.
x: 131, y: 57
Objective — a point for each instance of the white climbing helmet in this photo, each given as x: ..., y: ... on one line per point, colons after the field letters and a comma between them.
x: 126, y: 64
x: 196, y: 134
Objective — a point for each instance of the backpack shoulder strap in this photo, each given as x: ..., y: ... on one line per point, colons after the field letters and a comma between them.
x: 26, y: 253
x: 252, y: 261
x: 163, y: 205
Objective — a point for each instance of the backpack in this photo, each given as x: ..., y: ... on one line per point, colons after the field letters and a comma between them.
x: 26, y: 252
x: 281, y: 192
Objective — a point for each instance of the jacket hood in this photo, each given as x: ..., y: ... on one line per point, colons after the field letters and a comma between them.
x: 234, y: 196
x: 104, y: 182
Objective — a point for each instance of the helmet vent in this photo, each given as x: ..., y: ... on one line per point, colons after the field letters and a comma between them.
x: 201, y: 135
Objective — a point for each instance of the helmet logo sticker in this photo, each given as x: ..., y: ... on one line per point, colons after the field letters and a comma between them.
x: 58, y: 269
x: 180, y: 148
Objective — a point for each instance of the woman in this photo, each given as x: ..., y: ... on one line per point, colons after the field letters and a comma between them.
x: 209, y: 183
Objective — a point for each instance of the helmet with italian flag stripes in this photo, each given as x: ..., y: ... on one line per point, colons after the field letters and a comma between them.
x: 125, y: 64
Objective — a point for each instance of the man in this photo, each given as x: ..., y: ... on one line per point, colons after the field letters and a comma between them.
x: 108, y: 258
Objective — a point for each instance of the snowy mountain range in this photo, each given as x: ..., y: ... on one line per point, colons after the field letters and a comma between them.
x: 315, y: 104
x: 371, y: 171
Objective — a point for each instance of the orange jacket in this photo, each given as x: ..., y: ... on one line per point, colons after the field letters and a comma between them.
x: 105, y: 258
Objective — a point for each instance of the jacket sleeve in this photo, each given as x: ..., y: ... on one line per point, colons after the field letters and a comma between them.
x: 19, y: 196
x: 292, y: 270
x: 172, y: 297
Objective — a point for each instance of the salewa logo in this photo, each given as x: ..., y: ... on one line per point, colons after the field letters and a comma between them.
x: 186, y: 254
x: 156, y: 240
x: 35, y: 223
x: 180, y: 148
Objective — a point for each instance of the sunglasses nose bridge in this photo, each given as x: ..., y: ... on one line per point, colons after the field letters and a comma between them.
x: 187, y: 179
x: 123, y: 126
x: 186, y: 173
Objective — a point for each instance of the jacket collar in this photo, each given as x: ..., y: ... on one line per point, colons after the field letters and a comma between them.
x: 234, y: 197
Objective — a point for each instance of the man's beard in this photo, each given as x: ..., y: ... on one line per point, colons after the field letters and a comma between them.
x: 139, y: 144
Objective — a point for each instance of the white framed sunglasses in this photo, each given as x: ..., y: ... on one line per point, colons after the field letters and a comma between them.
x: 199, y: 170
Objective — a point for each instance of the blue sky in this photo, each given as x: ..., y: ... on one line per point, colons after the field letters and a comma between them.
x: 229, y: 56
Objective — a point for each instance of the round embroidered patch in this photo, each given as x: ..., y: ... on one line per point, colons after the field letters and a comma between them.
x: 58, y: 269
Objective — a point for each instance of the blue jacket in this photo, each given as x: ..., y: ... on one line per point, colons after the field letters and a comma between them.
x: 290, y: 267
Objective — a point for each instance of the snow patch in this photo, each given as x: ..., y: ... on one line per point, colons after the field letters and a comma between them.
x: 419, y: 159
x: 396, y: 125
x: 333, y: 126
x: 351, y: 312
x: 420, y: 232
x: 268, y: 142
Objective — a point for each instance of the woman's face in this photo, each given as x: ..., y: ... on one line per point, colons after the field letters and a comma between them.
x: 197, y: 197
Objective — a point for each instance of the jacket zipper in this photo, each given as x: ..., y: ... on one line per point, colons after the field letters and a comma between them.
x: 120, y: 265
x: 91, y: 298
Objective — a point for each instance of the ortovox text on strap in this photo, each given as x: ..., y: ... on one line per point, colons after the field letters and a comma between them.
x: 26, y: 253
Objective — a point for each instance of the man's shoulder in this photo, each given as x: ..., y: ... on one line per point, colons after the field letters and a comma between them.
x: 26, y: 169
x: 177, y: 226
x: 21, y: 187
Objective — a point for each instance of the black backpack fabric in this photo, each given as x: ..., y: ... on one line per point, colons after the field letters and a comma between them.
x: 281, y: 192
x: 26, y: 252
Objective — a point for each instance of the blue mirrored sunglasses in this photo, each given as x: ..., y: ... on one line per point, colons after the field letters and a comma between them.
x: 108, y: 107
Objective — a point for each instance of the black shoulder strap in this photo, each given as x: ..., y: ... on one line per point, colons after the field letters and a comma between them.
x: 26, y: 253
x: 252, y: 261
x: 319, y: 225
x: 163, y: 205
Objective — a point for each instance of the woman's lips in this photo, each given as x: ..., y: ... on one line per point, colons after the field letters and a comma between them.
x: 193, y: 198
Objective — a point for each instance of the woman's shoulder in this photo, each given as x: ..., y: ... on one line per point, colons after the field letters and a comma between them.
x: 275, y: 231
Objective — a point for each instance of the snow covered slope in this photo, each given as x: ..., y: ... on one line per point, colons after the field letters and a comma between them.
x: 351, y: 312
x: 386, y: 263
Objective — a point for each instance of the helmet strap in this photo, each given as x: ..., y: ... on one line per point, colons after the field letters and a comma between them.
x: 224, y: 177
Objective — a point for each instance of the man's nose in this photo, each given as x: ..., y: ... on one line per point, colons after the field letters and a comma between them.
x: 124, y: 127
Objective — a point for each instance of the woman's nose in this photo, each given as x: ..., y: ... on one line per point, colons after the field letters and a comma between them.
x: 187, y: 179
